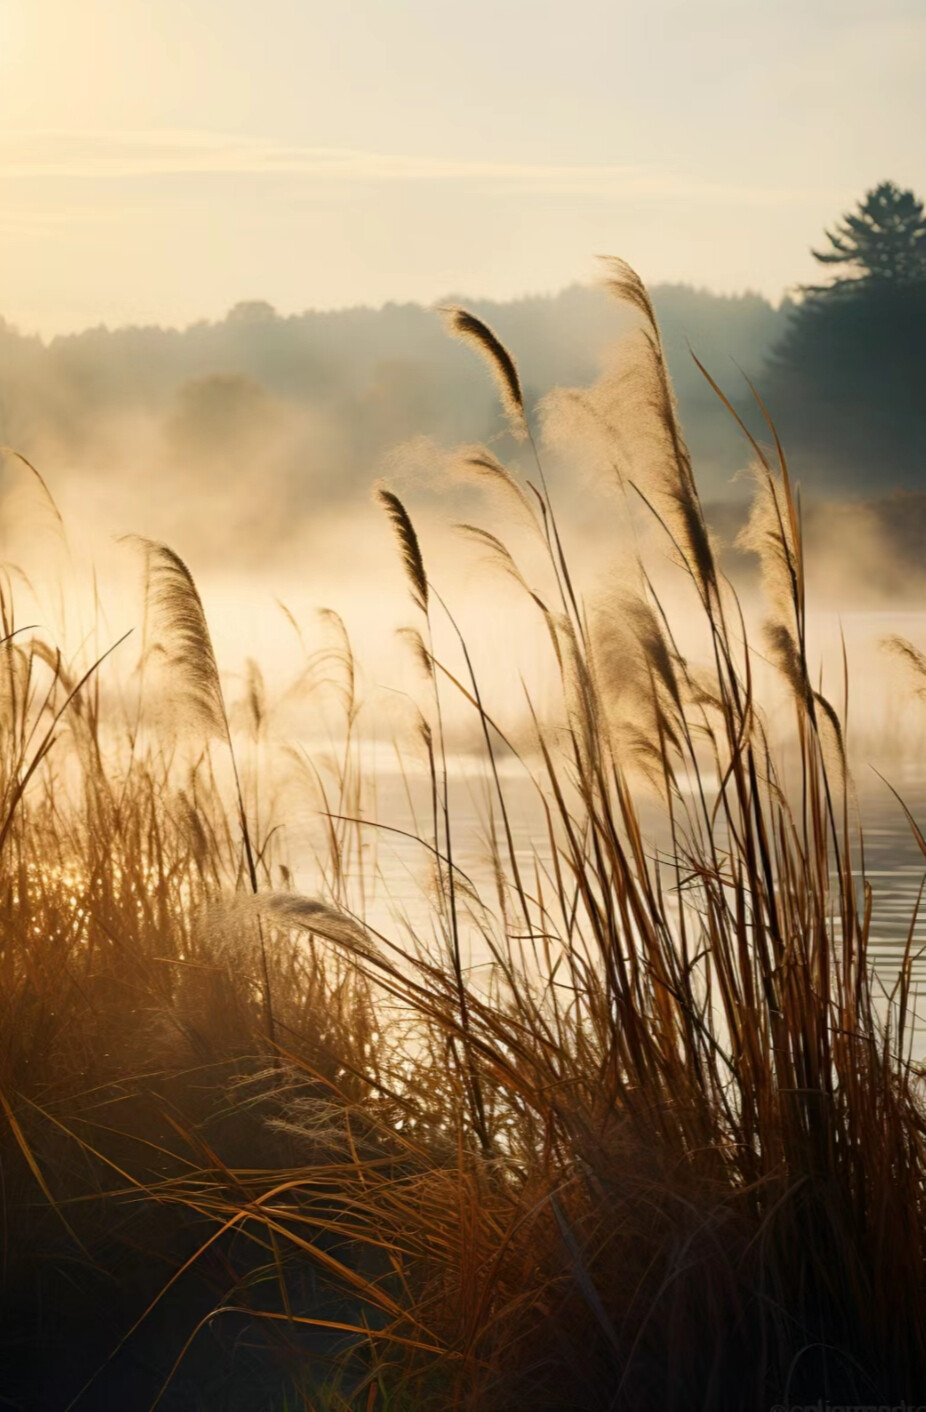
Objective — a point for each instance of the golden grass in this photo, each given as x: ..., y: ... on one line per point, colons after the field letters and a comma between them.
x: 671, y: 1157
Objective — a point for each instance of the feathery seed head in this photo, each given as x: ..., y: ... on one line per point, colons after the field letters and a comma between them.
x: 180, y: 637
x: 470, y: 329
x: 408, y: 542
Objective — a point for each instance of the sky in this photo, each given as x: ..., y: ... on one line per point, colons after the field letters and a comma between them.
x: 161, y: 160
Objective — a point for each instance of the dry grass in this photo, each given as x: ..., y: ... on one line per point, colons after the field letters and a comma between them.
x: 672, y: 1156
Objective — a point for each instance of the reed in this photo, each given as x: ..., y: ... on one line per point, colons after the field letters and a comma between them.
x: 670, y: 1156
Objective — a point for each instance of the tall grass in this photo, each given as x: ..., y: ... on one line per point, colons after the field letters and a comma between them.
x: 671, y: 1155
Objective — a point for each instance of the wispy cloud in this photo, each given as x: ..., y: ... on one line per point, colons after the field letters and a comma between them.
x: 91, y: 155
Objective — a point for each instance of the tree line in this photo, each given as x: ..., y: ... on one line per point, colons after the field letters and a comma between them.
x: 311, y: 406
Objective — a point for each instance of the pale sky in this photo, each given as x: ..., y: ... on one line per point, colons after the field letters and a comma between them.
x: 162, y: 159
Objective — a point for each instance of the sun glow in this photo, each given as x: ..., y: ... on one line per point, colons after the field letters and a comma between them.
x: 10, y: 33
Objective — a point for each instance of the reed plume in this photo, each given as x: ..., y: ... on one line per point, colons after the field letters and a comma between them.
x: 470, y: 329
x: 180, y: 639
x: 915, y: 659
x: 629, y: 421
x: 485, y: 467
x: 318, y: 917
x: 408, y: 543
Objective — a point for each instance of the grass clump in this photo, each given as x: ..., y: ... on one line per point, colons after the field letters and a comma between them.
x: 669, y: 1155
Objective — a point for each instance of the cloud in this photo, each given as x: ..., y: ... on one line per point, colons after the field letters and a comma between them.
x: 105, y: 155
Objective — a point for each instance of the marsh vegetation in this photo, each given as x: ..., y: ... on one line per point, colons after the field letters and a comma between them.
x: 267, y: 1147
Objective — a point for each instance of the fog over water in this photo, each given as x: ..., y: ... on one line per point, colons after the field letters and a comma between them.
x: 252, y: 446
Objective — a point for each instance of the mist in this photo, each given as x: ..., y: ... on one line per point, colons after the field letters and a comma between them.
x: 293, y: 418
x: 251, y: 447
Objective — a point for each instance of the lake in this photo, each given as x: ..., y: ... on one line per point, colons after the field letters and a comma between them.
x: 894, y: 865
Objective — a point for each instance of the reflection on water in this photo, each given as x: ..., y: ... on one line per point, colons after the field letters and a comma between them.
x: 894, y: 865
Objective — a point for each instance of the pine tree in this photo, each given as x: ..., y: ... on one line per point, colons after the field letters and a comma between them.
x: 883, y: 242
x: 847, y: 383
